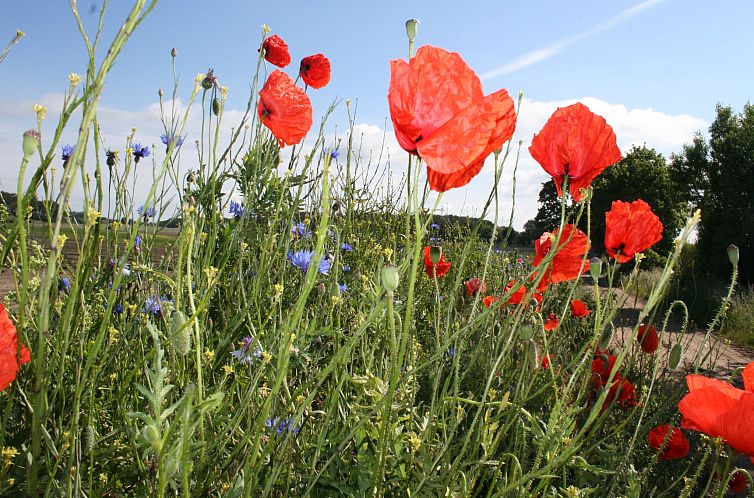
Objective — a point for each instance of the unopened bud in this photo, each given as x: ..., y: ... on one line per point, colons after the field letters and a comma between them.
x: 733, y: 254
x: 215, y: 106
x: 595, y: 268
x: 390, y: 277
x: 411, y: 26
x: 160, y: 93
x: 173, y: 52
x: 30, y: 142
x: 435, y: 253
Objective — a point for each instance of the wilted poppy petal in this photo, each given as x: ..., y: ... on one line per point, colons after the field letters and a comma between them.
x: 285, y: 109
x: 567, y: 263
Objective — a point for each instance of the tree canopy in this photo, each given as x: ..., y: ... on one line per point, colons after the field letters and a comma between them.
x: 717, y: 176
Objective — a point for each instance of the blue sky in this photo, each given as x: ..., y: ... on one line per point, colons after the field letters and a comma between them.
x: 643, y: 62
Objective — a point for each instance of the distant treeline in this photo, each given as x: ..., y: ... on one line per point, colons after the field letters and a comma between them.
x: 40, y: 210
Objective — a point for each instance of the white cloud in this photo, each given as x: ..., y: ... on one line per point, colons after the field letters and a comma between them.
x: 376, y: 148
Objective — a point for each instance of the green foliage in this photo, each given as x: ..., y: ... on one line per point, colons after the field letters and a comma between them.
x: 715, y: 176
x: 739, y: 319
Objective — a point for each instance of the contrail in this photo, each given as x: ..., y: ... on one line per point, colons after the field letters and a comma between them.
x: 553, y: 49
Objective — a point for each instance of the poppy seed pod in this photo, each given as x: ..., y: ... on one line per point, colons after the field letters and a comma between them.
x: 390, y: 277
x: 595, y: 268
x: 733, y: 254
x: 30, y: 142
x: 215, y: 106
x: 435, y: 253
x: 411, y: 26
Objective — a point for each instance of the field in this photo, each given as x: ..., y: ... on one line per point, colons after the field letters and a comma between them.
x: 315, y: 327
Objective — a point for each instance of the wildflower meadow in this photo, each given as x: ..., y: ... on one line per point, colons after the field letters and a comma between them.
x: 282, y: 318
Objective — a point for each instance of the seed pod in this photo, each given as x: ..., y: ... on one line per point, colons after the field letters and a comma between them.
x: 532, y: 355
x: 435, y: 253
x: 30, y: 142
x: 526, y: 331
x: 215, y: 106
x: 181, y: 338
x: 390, y: 277
x: 675, y: 356
x: 90, y: 437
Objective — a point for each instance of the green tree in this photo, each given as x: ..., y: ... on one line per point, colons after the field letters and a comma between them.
x: 642, y: 174
x: 718, y: 177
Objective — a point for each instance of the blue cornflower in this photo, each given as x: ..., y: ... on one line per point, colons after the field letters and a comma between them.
x: 139, y: 151
x: 236, y: 209
x: 434, y: 226
x: 137, y: 241
x: 281, y: 426
x: 146, y: 212
x: 299, y: 230
x: 67, y: 151
x: 64, y: 284
x: 451, y: 352
x: 346, y: 268
x: 153, y: 305
x: 243, y: 355
x: 334, y: 154
x: 342, y: 287
x: 302, y: 260
x: 167, y: 140
x: 435, y: 239
x: 118, y: 309
x: 346, y: 247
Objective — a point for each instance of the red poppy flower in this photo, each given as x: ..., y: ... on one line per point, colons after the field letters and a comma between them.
x: 578, y: 308
x: 519, y: 293
x: 552, y: 322
x: 546, y: 361
x: 285, y: 109
x: 575, y: 143
x: 10, y: 360
x: 440, y: 269
x: 489, y: 300
x: 622, y: 391
x: 677, y: 445
x: 718, y: 409
x: 276, y: 51
x: 648, y: 339
x: 474, y: 287
x: 440, y: 113
x: 566, y: 264
x: 630, y: 227
x: 315, y: 70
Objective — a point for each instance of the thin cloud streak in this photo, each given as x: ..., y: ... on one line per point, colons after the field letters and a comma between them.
x: 554, y: 49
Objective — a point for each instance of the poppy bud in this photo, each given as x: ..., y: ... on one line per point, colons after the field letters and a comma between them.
x: 160, y: 93
x: 435, y: 253
x: 181, y: 338
x: 215, y: 106
x: 173, y: 52
x: 390, y: 277
x: 595, y: 268
x: 733, y: 254
x: 90, y: 438
x: 30, y: 142
x: 411, y: 26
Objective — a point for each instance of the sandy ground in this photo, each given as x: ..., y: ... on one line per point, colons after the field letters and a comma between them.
x: 717, y: 357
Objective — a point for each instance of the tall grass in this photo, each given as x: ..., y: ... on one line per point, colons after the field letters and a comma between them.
x: 220, y: 368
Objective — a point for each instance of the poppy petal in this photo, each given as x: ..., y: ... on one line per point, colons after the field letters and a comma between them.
x: 285, y: 109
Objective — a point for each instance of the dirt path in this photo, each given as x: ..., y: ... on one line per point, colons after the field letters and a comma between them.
x: 720, y: 357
